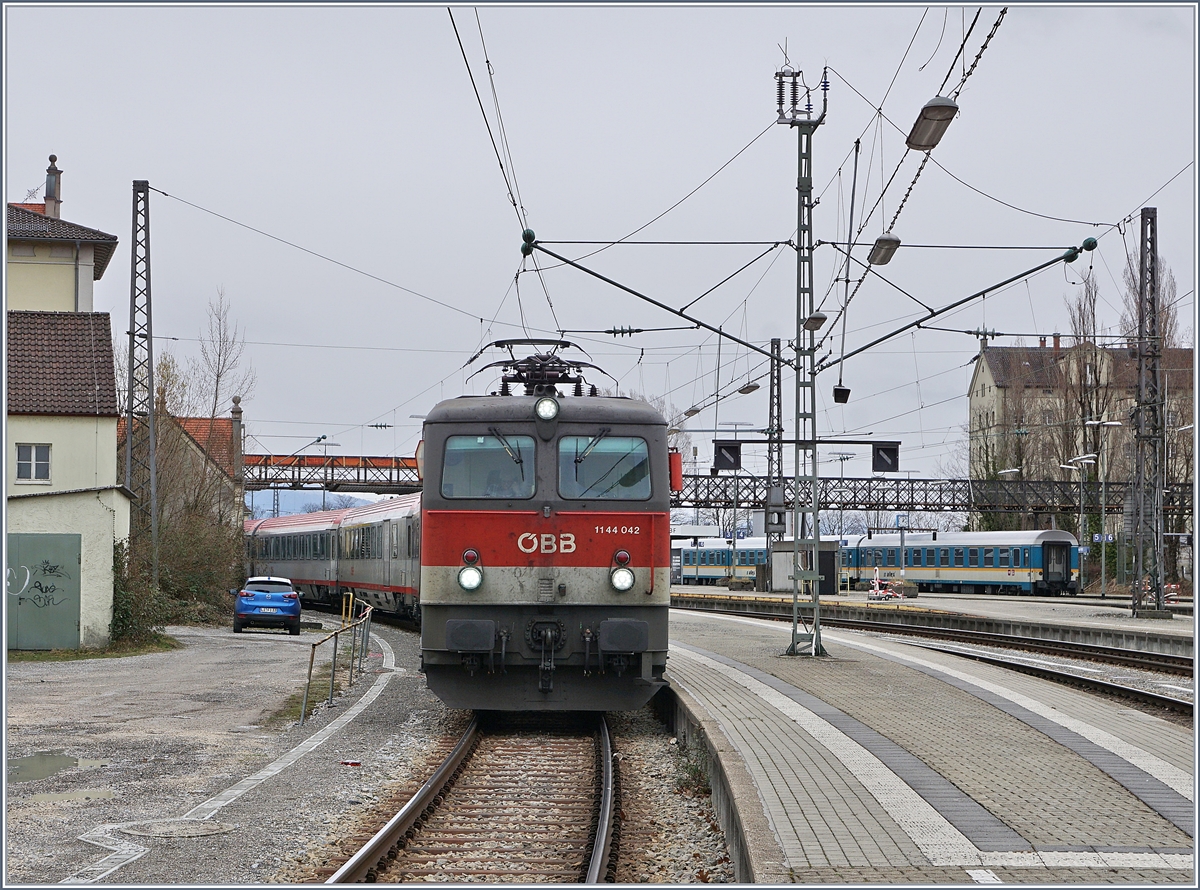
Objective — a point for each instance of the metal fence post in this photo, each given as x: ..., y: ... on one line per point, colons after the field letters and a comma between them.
x: 312, y: 654
x: 366, y: 640
x: 333, y: 668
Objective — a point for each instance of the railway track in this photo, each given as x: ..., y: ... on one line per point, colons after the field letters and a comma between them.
x: 516, y: 801
x: 1179, y: 665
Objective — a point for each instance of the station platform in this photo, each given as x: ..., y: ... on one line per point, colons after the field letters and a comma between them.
x: 880, y: 763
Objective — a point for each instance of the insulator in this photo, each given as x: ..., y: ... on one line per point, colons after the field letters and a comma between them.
x: 808, y: 107
x: 578, y: 387
x: 779, y: 90
x: 594, y: 391
x: 795, y: 92
x: 504, y: 390
x: 825, y: 85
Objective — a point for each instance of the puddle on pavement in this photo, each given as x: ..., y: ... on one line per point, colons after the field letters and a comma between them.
x: 46, y: 764
x: 84, y: 794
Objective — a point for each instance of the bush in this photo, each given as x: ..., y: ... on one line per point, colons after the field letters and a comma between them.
x: 139, y: 611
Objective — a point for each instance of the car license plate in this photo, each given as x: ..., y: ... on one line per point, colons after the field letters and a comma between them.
x: 267, y: 609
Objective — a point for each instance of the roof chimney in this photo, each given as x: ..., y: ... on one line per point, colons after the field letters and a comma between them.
x: 1056, y: 341
x: 53, y: 188
x: 1042, y: 342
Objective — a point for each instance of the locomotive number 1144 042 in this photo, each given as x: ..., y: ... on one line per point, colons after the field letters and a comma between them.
x: 618, y: 529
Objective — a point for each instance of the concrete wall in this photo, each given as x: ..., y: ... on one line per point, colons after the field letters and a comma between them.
x: 98, y: 518
x: 83, y: 452
x: 43, y: 276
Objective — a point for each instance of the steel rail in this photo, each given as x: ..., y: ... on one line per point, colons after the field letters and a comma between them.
x: 1181, y: 665
x: 1174, y: 664
x: 602, y: 846
x: 1155, y: 661
x: 1178, y: 705
x: 359, y: 867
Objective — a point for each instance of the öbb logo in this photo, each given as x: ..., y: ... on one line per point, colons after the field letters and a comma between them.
x: 531, y: 543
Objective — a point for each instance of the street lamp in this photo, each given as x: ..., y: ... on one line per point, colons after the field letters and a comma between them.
x: 1103, y: 424
x: 931, y: 124
x: 1080, y: 463
x: 1008, y: 472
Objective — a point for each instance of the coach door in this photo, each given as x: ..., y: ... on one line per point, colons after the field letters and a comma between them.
x: 1054, y: 562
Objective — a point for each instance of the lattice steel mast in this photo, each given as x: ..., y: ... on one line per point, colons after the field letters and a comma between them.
x: 1149, y: 479
x: 141, y: 470
x: 806, y: 528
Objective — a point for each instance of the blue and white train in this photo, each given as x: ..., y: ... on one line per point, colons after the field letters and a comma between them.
x: 1043, y: 563
x: 713, y: 560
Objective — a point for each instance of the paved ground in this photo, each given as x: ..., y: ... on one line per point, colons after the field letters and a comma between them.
x: 879, y: 764
x: 170, y: 739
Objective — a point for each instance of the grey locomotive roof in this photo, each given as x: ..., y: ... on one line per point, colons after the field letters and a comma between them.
x: 573, y: 409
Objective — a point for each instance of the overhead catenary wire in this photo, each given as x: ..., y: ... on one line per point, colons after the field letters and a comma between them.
x: 319, y: 256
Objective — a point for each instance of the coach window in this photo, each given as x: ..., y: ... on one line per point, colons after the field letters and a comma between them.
x: 1016, y: 557
x: 931, y: 557
x: 1003, y: 554
x: 973, y: 556
x: 916, y: 556
x: 604, y: 467
x: 495, y: 466
x: 891, y: 556
x: 989, y: 558
x: 958, y: 556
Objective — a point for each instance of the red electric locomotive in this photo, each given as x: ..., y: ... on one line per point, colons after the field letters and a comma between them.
x: 545, y: 544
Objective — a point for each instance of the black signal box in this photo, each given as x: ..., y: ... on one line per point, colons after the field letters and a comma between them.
x: 727, y: 454
x: 885, y: 457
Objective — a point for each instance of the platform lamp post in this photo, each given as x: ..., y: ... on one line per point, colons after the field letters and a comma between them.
x: 1081, y: 463
x: 1103, y: 425
x: 733, y: 541
x: 325, y: 468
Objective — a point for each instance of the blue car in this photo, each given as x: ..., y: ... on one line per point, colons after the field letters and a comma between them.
x: 266, y: 601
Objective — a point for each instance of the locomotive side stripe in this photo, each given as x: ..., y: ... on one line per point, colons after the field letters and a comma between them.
x: 528, y: 539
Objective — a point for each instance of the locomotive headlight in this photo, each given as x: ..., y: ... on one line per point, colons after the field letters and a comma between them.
x: 546, y: 408
x: 470, y: 577
x: 622, y: 579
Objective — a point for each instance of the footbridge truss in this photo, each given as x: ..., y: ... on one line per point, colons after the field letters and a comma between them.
x: 398, y: 475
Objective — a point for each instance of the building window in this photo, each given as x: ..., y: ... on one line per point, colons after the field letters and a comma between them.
x: 33, y: 463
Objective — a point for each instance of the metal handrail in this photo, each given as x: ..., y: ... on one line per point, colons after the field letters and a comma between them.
x: 363, y: 623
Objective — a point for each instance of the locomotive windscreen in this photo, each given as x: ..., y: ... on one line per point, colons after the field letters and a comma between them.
x: 489, y: 467
x: 604, y: 467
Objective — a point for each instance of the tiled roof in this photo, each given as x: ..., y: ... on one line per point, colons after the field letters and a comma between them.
x: 61, y: 363
x: 29, y: 225
x: 1032, y: 365
x: 213, y: 437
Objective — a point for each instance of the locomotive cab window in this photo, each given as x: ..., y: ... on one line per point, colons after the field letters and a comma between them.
x: 604, y: 467
x: 496, y: 466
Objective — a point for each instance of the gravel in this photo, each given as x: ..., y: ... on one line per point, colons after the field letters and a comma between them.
x: 155, y: 736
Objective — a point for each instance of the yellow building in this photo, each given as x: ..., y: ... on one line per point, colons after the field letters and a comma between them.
x: 65, y: 507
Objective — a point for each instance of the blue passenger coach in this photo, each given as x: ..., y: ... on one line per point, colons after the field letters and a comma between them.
x: 1044, y: 563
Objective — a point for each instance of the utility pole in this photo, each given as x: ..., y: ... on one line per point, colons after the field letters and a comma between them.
x: 1149, y: 478
x: 775, y: 524
x: 804, y: 521
x: 141, y: 467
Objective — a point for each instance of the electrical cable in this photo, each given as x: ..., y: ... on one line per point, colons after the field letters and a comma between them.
x: 319, y: 256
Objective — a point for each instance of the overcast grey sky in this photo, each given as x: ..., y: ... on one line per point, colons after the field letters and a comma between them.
x: 355, y: 133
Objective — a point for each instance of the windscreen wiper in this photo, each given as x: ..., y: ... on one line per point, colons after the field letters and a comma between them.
x: 516, y: 457
x: 579, y: 458
x: 604, y: 431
